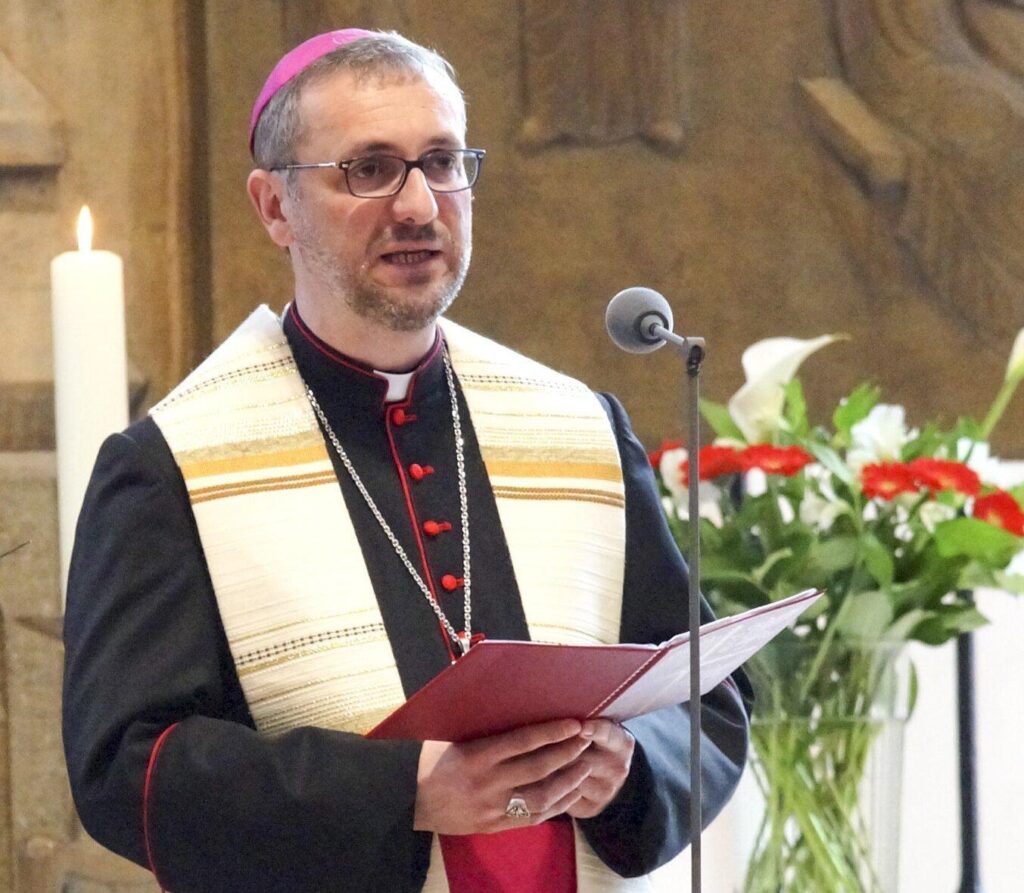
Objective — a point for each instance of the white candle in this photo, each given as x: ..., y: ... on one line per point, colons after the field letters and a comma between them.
x: 90, y: 375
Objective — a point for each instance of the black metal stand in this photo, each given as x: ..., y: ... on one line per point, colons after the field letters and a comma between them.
x: 970, y: 874
x: 694, y: 351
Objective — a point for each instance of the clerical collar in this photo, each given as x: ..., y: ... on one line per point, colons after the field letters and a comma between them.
x: 398, y: 384
x: 331, y: 372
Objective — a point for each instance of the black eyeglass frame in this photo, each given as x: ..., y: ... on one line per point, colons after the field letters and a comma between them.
x: 345, y: 164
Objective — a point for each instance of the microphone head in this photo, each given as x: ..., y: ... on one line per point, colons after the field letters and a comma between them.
x: 630, y: 315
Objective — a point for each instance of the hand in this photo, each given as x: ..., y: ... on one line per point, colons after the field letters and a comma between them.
x: 464, y: 788
x: 608, y: 759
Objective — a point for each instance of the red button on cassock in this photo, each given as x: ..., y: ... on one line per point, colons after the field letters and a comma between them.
x: 433, y: 528
x: 451, y: 582
x: 399, y: 416
x: 417, y: 472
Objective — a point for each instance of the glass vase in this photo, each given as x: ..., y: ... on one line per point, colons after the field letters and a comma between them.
x: 827, y: 756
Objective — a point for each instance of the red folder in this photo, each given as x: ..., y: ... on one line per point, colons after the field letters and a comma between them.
x: 501, y: 685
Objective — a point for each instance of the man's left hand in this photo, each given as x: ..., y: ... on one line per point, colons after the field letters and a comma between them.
x: 609, y: 758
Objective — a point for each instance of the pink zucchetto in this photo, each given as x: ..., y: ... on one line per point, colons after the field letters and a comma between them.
x: 297, y: 60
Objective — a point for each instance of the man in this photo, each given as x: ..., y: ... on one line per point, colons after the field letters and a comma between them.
x: 329, y: 511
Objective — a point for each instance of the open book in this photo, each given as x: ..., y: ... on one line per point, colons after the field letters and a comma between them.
x: 501, y: 685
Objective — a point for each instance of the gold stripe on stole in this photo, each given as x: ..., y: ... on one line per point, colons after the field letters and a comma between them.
x: 245, y: 461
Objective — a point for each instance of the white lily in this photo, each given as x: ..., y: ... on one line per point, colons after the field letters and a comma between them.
x: 934, y: 513
x: 768, y: 366
x: 879, y: 437
x: 671, y: 472
x: 709, y: 494
x: 975, y: 454
x: 818, y: 512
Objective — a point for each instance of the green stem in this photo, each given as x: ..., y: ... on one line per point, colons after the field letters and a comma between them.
x: 815, y: 834
x: 998, y: 407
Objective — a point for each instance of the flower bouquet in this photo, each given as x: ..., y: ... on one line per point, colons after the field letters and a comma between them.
x: 898, y: 525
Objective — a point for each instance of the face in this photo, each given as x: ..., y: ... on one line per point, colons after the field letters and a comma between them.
x: 395, y: 262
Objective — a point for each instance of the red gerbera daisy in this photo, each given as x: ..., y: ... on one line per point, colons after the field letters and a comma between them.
x: 666, y: 445
x: 775, y: 460
x: 885, y: 480
x: 714, y: 462
x: 1002, y: 510
x: 941, y: 474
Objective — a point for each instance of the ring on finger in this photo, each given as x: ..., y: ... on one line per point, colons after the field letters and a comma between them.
x: 517, y: 809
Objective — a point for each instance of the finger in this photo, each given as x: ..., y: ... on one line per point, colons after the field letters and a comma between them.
x: 538, y: 765
x: 598, y: 789
x: 595, y: 794
x: 569, y: 801
x: 529, y: 738
x: 544, y: 795
x: 563, y: 805
x: 585, y: 809
x: 607, y: 734
x: 608, y: 764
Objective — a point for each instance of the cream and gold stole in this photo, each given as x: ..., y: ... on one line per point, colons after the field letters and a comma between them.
x: 277, y: 536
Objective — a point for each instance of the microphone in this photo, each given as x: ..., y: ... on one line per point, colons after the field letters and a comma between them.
x: 639, y: 320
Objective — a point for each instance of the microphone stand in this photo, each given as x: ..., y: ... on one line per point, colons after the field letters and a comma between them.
x: 693, y: 350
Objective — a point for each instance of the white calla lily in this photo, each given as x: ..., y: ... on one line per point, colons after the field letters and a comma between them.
x: 769, y: 365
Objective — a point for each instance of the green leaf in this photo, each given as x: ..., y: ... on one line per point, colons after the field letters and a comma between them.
x: 717, y: 416
x: 853, y: 409
x: 866, y: 617
x: 1013, y: 583
x: 796, y: 408
x: 928, y: 580
x: 972, y: 538
x: 948, y: 624
x: 878, y: 560
x: 900, y: 630
x: 834, y: 554
x: 831, y: 460
x: 968, y: 427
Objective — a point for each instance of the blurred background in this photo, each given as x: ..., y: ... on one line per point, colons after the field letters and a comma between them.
x: 787, y: 168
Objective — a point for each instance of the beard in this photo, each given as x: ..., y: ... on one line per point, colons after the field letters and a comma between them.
x: 407, y: 309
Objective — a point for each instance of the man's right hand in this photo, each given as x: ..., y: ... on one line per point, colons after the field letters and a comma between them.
x: 464, y: 788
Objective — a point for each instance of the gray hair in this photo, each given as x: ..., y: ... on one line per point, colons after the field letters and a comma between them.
x: 386, y: 54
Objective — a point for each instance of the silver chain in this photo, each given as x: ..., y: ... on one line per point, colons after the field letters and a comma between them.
x: 460, y: 463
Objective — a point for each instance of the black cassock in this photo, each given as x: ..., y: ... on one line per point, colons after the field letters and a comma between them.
x: 315, y: 810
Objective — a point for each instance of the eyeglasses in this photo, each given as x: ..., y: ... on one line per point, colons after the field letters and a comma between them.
x: 381, y: 176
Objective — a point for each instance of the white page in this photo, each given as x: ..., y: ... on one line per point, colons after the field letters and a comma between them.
x: 724, y: 645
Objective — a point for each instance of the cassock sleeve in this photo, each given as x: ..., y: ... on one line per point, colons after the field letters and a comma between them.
x: 648, y: 823
x: 166, y: 767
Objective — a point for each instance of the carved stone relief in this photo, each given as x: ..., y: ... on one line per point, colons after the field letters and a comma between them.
x: 996, y: 27
x: 29, y: 129
x: 602, y: 71
x: 930, y: 118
